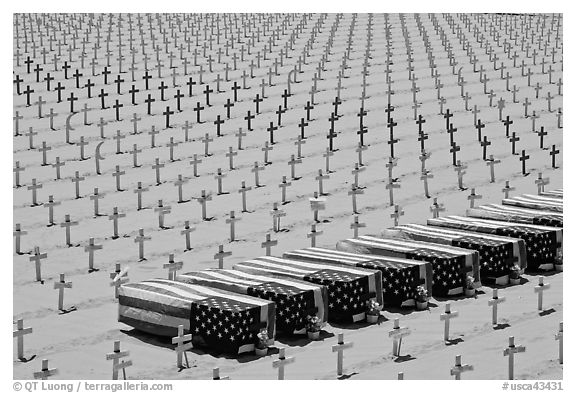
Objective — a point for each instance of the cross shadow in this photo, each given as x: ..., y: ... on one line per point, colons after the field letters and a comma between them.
x: 93, y: 270
x: 546, y: 312
x: 500, y: 326
x: 209, y: 218
x: 400, y: 310
x: 67, y: 311
x: 404, y: 358
x: 24, y: 360
x: 346, y: 376
x: 453, y: 341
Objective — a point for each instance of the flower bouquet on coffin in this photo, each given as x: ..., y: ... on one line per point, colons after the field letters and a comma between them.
x: 373, y: 311
x: 422, y: 296
x: 313, y: 327
x: 262, y: 340
x: 515, y: 274
x: 470, y: 289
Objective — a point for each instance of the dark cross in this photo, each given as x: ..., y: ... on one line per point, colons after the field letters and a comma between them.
x: 485, y: 143
x: 279, y: 112
x: 392, y: 141
x: 147, y: 77
x: 420, y: 121
x: 229, y: 104
x: 157, y: 166
x: 256, y: 100
x: 454, y: 149
x: 302, y: 125
x: 162, y: 87
x: 90, y: 85
x: 513, y: 140
x: 218, y: 122
x: 71, y: 100
x: 421, y: 138
x: 102, y: 95
x: 249, y: 116
x: 198, y: 109
x: 59, y: 89
x: 389, y: 109
x: 542, y: 134
x: 285, y: 96
x: 447, y: 116
x: 117, y: 107
x: 133, y: 92
x: 479, y: 126
x: 19, y: 80
x: 118, y: 82
x: 235, y: 88
x: 207, y: 92
x: 167, y: 113
x: 271, y: 130
x: 523, y: 158
x: 553, y: 153
x: 106, y: 73
x: 149, y: 102
x: 451, y: 131
x: 308, y: 107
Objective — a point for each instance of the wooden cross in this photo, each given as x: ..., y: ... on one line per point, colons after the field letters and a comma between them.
x: 219, y: 176
x: 313, y: 234
x: 293, y: 161
x: 140, y: 239
x: 216, y: 374
x: 162, y: 211
x: 560, y: 338
x: 506, y: 190
x: 115, y: 356
x: 19, y: 333
x: 45, y: 372
x: 398, y: 212
x: 182, y: 346
x: 18, y: 233
x: 553, y: 153
x: 172, y: 267
x: 34, y: 187
x: 426, y: 174
x: 276, y: 215
x: 61, y: 285
x: 157, y: 166
x: 473, y: 196
x: 36, y: 258
x: 282, y: 362
x: 539, y: 289
x: 541, y: 182
x: 202, y: 199
x: 397, y: 333
x: 118, y: 277
x: 460, y: 368
x: 256, y: 170
x: 353, y: 192
x: 340, y: 347
x: 232, y: 220
x: 220, y: 255
x: 523, y: 158
x: 491, y: 162
x: 114, y: 217
x: 268, y: 244
x: 510, y: 351
x: 446, y: 316
x: 317, y: 204
x: 90, y: 248
x: 494, y: 303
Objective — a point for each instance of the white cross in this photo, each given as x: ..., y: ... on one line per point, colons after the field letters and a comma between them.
x: 216, y: 374
x: 268, y: 244
x: 118, y: 277
x: 61, y: 285
x: 510, y: 351
x: 539, y: 289
x: 19, y: 333
x: 182, y: 346
x: 459, y: 368
x: 116, y: 364
x: 45, y: 372
x: 446, y: 318
x: 340, y: 347
x: 172, y: 267
x: 397, y: 333
x: 494, y: 303
x: 220, y: 255
x: 281, y: 362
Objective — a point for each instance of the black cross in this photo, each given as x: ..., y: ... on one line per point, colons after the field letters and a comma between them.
x: 235, y: 88
x: 106, y: 73
x: 523, y: 158
x: 146, y: 77
x: 451, y: 131
x: 389, y: 109
x: 198, y: 110
x: 28, y: 62
x: 271, y: 130
x: 218, y: 123
x: 308, y: 107
x: 65, y: 67
x: 553, y: 153
x: 392, y: 141
x: 162, y: 87
x: 167, y: 113
x: 447, y: 116
x: 28, y: 91
x: 37, y: 69
x: 485, y: 143
x: 507, y: 124
x: 19, y: 80
x: 178, y: 97
x: 190, y: 84
x: 59, y: 89
x: 118, y: 82
x: 77, y: 75
x: 361, y: 115
x: 421, y: 138
x: 279, y: 112
x: 133, y: 92
x: 331, y: 119
x: 420, y: 121
x: 454, y: 149
x: 149, y: 102
x: 542, y: 134
x: 513, y: 140
x: 207, y: 91
x: 257, y: 100
x: 285, y: 96
x: 331, y: 135
x: 479, y: 127
x: 117, y: 107
x: 89, y: 85
x: 229, y: 104
x: 335, y: 104
x: 71, y: 100
x: 249, y: 116
x: 102, y: 95
x: 48, y: 78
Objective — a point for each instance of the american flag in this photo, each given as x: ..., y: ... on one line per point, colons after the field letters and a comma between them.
x: 294, y: 299
x: 517, y: 214
x: 536, y: 202
x: 442, y: 257
x: 543, y: 244
x: 348, y: 288
x: 400, y: 277
x: 496, y: 253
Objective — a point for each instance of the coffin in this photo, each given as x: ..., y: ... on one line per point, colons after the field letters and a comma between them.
x: 349, y: 288
x: 222, y: 320
x: 400, y: 277
x: 553, y: 193
x: 517, y: 214
x: 496, y: 253
x: 294, y: 299
x: 543, y: 244
x: 539, y: 202
x: 450, y: 265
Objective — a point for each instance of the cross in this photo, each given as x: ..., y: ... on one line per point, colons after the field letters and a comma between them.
x: 539, y: 289
x: 149, y: 100
x: 30, y: 134
x: 459, y: 368
x: 420, y: 121
x: 19, y: 333
x: 542, y: 134
x: 232, y: 220
x: 219, y: 176
x: 507, y: 124
x: 426, y: 174
x: 454, y: 149
x: 216, y: 370
x: 186, y: 232
x: 485, y: 143
x: 36, y: 258
x: 202, y: 199
x: 172, y: 267
x: 276, y: 214
x: 45, y: 372
x: 313, y: 234
x: 398, y: 212
x: 206, y: 140
x: 355, y: 225
x: 90, y: 248
x: 220, y: 255
x: 510, y: 351
x: 446, y: 316
x: 266, y: 149
x: 320, y: 179
x: 61, y: 285
x: 183, y: 343
x: 17, y: 169
x: 162, y: 211
x: 157, y: 166
x: 308, y: 108
x: 447, y: 116
x: 560, y: 338
x: 293, y: 161
x: 541, y: 182
x: 340, y: 347
x: 494, y: 303
x: 282, y: 362
x: 268, y: 244
x: 115, y: 356
x: 553, y: 153
x: 283, y: 186
x: 50, y: 205
x: 523, y: 158
x: 114, y: 217
x: 67, y: 224
x: 451, y: 130
x: 140, y: 239
x: 473, y: 196
x: 397, y: 333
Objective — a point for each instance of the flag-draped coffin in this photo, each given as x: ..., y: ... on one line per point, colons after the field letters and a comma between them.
x: 543, y: 244
x: 450, y: 265
x: 517, y: 214
x: 400, y: 277
x: 496, y: 253
x: 294, y: 299
x: 539, y: 202
x: 221, y: 320
x: 349, y: 288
